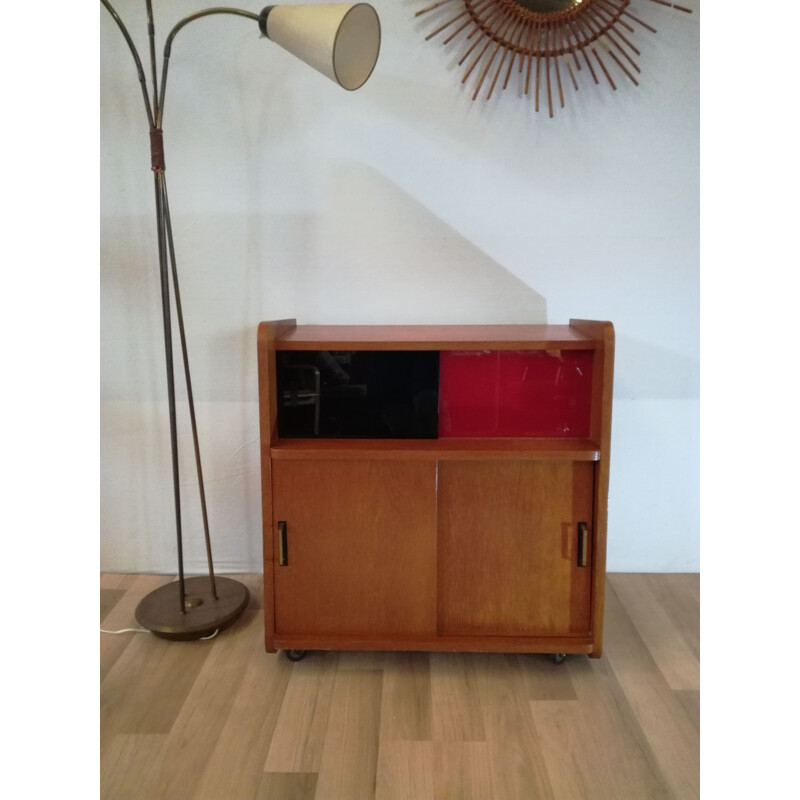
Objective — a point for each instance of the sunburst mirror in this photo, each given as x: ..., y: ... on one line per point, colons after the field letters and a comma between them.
x: 547, y: 40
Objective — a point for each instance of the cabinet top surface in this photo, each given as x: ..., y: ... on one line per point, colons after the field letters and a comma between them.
x: 433, y: 337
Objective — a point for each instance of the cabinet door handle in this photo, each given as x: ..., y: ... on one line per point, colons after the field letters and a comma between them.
x: 283, y: 545
x: 583, y: 544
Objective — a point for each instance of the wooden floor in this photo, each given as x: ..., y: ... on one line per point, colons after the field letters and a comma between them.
x: 225, y: 720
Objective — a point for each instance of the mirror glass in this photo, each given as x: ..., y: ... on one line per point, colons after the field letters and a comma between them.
x: 549, y: 5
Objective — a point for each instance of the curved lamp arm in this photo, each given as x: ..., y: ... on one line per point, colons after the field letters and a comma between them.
x: 168, y: 46
x: 155, y: 114
x: 135, y: 54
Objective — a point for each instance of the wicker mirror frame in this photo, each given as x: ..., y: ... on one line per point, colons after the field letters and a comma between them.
x: 544, y: 45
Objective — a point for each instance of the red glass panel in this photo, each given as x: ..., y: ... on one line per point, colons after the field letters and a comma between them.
x: 515, y: 393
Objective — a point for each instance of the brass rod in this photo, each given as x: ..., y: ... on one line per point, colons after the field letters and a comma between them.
x: 164, y: 68
x: 173, y: 430
x: 137, y: 60
x: 189, y: 392
x: 173, y: 33
x: 151, y: 35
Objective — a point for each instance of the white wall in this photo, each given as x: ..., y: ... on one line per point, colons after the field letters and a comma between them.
x: 402, y: 202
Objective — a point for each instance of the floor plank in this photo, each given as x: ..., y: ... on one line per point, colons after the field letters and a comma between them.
x: 145, y: 691
x: 406, y: 711
x: 461, y: 771
x: 108, y: 599
x: 679, y: 595
x: 457, y: 715
x: 667, y: 727
x: 516, y: 765
x: 349, y: 759
x: 224, y: 720
x: 195, y: 731
x: 130, y: 766
x: 405, y: 770
x: 122, y: 615
x: 677, y: 663
x: 235, y: 767
x: 303, y: 720
x: 287, y: 786
x: 691, y: 705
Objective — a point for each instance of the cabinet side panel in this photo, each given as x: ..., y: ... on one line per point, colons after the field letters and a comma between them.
x: 602, y: 399
x: 268, y: 332
x: 508, y: 548
x: 360, y: 547
x: 267, y: 404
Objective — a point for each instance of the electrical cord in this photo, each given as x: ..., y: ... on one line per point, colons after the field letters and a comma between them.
x: 145, y: 630
x: 126, y: 630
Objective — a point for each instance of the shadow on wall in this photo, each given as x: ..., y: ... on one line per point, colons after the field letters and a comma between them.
x: 372, y: 255
x: 382, y: 257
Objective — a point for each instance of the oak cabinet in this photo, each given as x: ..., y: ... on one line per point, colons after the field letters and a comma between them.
x: 435, y: 488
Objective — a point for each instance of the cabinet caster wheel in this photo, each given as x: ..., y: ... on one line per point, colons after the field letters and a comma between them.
x: 296, y: 655
x: 558, y: 658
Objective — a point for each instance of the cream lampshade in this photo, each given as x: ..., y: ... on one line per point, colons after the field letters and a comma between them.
x: 341, y: 41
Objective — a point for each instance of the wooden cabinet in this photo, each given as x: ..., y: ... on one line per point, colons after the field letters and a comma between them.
x: 435, y: 488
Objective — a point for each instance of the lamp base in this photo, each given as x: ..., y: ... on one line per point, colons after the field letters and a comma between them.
x: 160, y: 613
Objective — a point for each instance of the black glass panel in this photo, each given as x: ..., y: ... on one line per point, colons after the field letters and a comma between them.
x: 369, y: 394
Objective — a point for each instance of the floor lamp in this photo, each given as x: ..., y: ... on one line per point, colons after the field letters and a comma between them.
x: 341, y: 41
